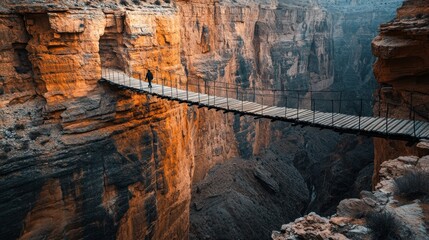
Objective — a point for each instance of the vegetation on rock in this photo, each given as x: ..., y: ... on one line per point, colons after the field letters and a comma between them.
x: 383, y: 226
x: 413, y: 185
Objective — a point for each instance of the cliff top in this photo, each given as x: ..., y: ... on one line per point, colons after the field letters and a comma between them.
x: 414, y: 8
x: 360, y: 5
x: 41, y: 6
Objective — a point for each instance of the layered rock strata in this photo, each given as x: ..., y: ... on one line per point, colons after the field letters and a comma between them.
x: 257, y: 44
x: 81, y: 159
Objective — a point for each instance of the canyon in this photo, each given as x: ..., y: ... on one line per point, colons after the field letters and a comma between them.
x: 82, y: 159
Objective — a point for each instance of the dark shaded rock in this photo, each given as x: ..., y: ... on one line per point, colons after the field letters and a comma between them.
x: 363, y: 179
x: 205, y: 39
x: 266, y: 179
x: 231, y: 193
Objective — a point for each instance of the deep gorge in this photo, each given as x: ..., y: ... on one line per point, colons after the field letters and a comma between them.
x: 80, y: 159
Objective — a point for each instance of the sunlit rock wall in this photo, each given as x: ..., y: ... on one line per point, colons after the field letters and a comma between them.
x: 80, y: 159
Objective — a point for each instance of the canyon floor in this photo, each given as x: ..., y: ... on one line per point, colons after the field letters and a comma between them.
x: 307, y: 170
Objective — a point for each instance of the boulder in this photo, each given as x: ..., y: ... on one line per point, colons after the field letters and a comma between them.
x: 355, y: 208
x: 423, y: 163
x: 423, y: 145
x: 408, y: 159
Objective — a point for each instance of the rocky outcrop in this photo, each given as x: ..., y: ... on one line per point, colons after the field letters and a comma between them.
x: 313, y: 226
x: 353, y: 215
x: 402, y: 64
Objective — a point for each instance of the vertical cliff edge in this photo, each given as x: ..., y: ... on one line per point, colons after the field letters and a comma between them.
x: 80, y: 159
x: 402, y: 69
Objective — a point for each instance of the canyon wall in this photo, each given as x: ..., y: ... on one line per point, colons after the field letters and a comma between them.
x: 80, y: 159
x: 403, y: 68
x: 254, y: 44
x: 355, y: 24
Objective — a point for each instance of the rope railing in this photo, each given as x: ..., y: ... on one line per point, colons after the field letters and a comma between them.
x: 333, y: 109
x: 276, y: 96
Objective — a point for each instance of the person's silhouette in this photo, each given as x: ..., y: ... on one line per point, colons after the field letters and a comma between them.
x: 149, y: 77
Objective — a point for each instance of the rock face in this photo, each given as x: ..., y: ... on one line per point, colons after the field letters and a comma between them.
x: 78, y: 158
x: 355, y: 23
x: 246, y: 197
x: 258, y: 43
x: 402, y: 64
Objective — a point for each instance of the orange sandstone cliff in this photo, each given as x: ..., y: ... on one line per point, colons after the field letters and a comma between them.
x: 78, y: 158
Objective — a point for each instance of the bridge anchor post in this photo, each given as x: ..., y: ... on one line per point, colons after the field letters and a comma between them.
x: 227, y: 99
x: 414, y: 122
x: 162, y: 85
x: 297, y: 108
x: 314, y: 110
x: 332, y: 109
x: 387, y: 118
x: 199, y: 99
x: 242, y: 102
x: 360, y: 113
x: 214, y: 92
x: 286, y: 106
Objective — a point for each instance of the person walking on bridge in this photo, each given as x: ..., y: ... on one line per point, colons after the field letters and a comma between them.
x: 149, y: 77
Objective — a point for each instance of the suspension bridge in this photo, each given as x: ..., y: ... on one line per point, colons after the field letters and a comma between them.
x: 261, y: 104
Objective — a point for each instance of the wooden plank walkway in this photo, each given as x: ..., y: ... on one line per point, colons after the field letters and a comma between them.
x: 371, y: 126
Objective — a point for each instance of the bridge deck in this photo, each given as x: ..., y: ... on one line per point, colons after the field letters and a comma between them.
x: 371, y: 126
